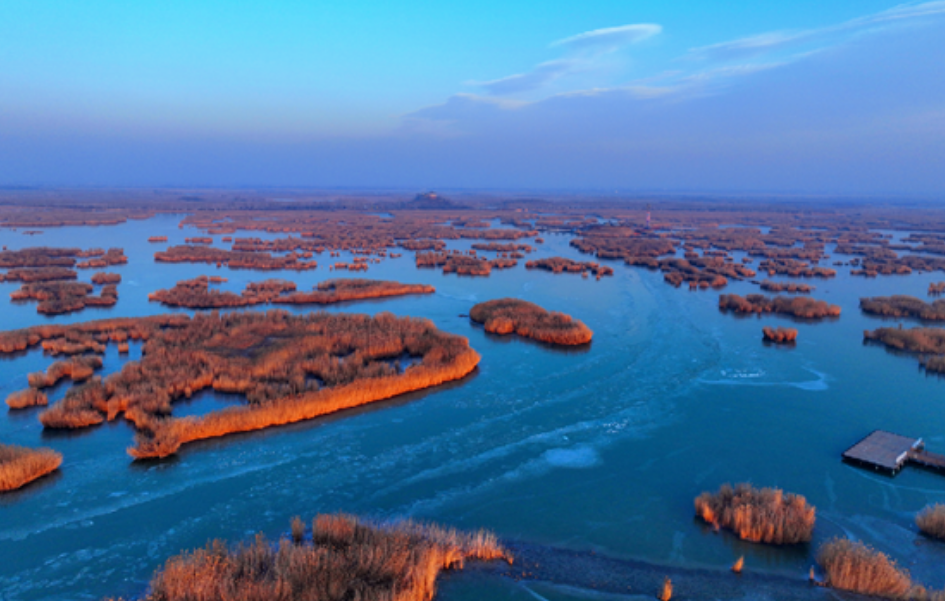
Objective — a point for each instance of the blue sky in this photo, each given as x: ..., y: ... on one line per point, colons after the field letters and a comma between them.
x: 798, y: 97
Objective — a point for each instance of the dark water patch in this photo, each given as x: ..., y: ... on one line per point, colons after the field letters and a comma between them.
x: 206, y: 401
x: 403, y: 361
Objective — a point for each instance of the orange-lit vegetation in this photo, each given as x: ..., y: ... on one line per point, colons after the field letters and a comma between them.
x: 39, y: 257
x: 460, y: 264
x: 38, y: 274
x: 853, y: 566
x: 290, y: 368
x: 157, y: 239
x: 931, y: 521
x: 792, y: 287
x: 805, y: 308
x: 199, y: 240
x: 77, y: 368
x: 562, y: 265
x: 904, y: 306
x: 914, y: 340
x: 65, y: 297
x: 338, y: 290
x: 197, y: 294
x: 765, y: 515
x: 779, y: 335
x: 233, y: 259
x: 106, y: 278
x: 98, y: 258
x: 621, y: 242
x: 345, y: 559
x: 928, y: 343
x: 794, y: 269
x: 936, y: 288
x: 23, y: 399
x: 511, y: 315
x: 666, y: 591
x: 20, y: 465
x: 701, y: 272
x: 436, y: 245
x: 503, y: 248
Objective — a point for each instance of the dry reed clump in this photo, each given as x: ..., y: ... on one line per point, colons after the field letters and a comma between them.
x: 76, y: 368
x: 104, y: 277
x: 97, y: 258
x: 904, y: 306
x: 931, y: 521
x: 39, y: 274
x: 852, y: 566
x: 197, y: 294
x: 512, y: 315
x: 794, y: 268
x: 913, y: 340
x: 338, y: 290
x: 779, y: 335
x: 64, y: 296
x: 936, y: 288
x: 765, y: 515
x: 666, y: 592
x: 20, y: 465
x: 39, y: 256
x: 793, y: 287
x: 233, y: 259
x: 290, y: 368
x: 348, y: 559
x: 23, y: 399
x: 928, y: 343
x: 806, y: 308
x: 454, y: 262
x: 562, y: 265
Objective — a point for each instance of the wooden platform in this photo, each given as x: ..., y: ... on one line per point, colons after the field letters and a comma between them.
x: 890, y: 452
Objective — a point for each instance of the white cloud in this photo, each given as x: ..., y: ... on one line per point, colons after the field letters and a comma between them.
x: 584, y: 49
x: 765, y: 42
x: 612, y: 36
x: 531, y: 80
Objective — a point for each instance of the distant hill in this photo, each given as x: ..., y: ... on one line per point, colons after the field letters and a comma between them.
x: 431, y: 201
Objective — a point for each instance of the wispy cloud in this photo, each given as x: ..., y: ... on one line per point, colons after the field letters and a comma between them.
x: 534, y: 79
x: 583, y: 51
x: 776, y: 40
x: 611, y: 36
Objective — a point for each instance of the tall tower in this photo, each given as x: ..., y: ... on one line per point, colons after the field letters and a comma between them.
x: 647, y: 215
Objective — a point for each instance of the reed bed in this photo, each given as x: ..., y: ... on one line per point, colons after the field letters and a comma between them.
x: 765, y: 515
x: 904, y: 306
x: 289, y: 367
x: 931, y: 521
x: 853, y: 566
x: 512, y: 315
x: 345, y: 559
x: 21, y: 465
x: 806, y: 308
x: 779, y: 335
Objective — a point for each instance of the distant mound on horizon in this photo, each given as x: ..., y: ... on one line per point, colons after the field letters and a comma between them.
x: 431, y: 201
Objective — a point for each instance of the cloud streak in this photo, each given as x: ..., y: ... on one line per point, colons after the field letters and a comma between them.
x: 584, y: 49
x: 611, y: 36
x: 776, y: 40
x: 541, y: 75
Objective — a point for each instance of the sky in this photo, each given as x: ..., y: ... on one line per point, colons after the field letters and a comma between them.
x: 801, y: 97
